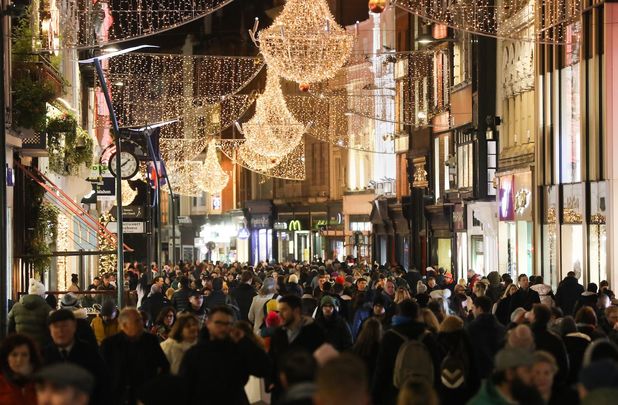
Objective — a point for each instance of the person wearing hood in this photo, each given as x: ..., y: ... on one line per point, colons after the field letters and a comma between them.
x: 336, y: 329
x: 155, y: 301
x: 568, y: 292
x: 546, y: 295
x: 256, y: 311
x: 84, y: 332
x: 29, y: 315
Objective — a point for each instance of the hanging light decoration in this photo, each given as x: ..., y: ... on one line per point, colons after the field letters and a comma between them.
x: 273, y: 131
x: 213, y: 178
x: 304, y: 44
x: 377, y: 6
x: 184, y: 176
x: 128, y: 194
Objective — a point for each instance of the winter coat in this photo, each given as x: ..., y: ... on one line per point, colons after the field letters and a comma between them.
x: 131, y: 363
x: 299, y: 394
x: 488, y: 395
x: 457, y: 344
x: 383, y: 390
x: 224, y: 381
x: 567, y: 294
x: 256, y: 311
x: 294, y: 289
x: 180, y: 299
x: 524, y: 299
x: 336, y: 330
x: 487, y: 336
x: 84, y: 355
x: 413, y: 277
x: 586, y: 299
x: 13, y: 394
x: 552, y: 343
x: 546, y: 295
x: 592, y: 331
x: 84, y: 331
x: 576, y: 344
x: 153, y: 304
x: 103, y: 330
x: 29, y: 316
x: 243, y: 294
x: 175, y: 352
x: 502, y: 310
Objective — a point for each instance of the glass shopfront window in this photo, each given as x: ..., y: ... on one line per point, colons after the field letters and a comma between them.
x: 550, y: 256
x: 572, y: 239
x: 597, y: 247
x: 444, y: 253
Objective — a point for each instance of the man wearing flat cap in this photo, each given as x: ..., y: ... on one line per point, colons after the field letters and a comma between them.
x: 511, y: 381
x: 63, y: 384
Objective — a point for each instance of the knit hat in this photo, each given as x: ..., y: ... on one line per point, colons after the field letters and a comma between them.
x: 328, y: 300
x: 513, y: 358
x: 421, y: 288
x: 451, y: 324
x: 69, y: 301
x: 293, y: 279
x: 36, y: 287
x: 340, y: 280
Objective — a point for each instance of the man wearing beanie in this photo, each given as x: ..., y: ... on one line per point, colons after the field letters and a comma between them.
x: 336, y: 329
x: 511, y: 381
x: 29, y: 315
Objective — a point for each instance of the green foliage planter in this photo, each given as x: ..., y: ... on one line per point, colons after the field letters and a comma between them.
x: 30, y: 100
x: 69, y: 145
x: 42, y: 226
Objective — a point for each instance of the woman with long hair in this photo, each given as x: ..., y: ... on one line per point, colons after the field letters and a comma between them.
x: 19, y: 359
x: 368, y: 344
x: 430, y: 320
x: 164, y: 323
x: 182, y: 337
x: 401, y: 294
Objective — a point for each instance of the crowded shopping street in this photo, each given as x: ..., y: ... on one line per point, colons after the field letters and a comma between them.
x: 320, y: 202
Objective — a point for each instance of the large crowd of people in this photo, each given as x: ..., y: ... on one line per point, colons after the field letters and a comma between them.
x: 312, y: 333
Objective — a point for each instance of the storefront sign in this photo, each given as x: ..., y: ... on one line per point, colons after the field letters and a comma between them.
x: 127, y: 227
x: 280, y: 226
x: 184, y: 220
x: 295, y: 226
x: 131, y: 211
x: 505, y: 201
x: 260, y: 222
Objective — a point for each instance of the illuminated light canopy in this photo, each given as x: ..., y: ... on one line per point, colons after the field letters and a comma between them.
x: 272, y: 132
x: 87, y: 24
x: 304, y: 44
x: 184, y: 177
x: 505, y: 20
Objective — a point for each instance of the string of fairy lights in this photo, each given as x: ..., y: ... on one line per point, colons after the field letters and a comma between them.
x: 88, y: 24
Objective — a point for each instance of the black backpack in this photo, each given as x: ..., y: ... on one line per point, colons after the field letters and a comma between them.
x: 453, y: 372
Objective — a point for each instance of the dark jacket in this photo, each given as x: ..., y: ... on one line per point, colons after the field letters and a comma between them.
x: 131, y: 364
x: 216, y: 371
x: 413, y: 277
x: 586, y: 299
x: 29, y: 316
x: 567, y: 294
x: 243, y: 294
x: 336, y: 330
x: 457, y: 345
x: 86, y: 356
x: 524, y: 299
x: 153, y: 304
x: 503, y: 308
x: 294, y: 289
x: 552, y: 343
x: 299, y: 394
x: 576, y: 345
x: 383, y: 390
x: 180, y: 299
x: 487, y: 336
x: 215, y: 299
x: 309, y: 339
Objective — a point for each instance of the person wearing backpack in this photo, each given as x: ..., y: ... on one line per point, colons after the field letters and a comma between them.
x: 459, y: 379
x: 256, y: 311
x: 408, y: 350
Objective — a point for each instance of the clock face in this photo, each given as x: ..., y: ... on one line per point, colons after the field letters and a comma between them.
x: 129, y: 165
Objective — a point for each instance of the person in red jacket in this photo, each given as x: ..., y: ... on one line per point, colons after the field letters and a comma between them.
x: 19, y: 359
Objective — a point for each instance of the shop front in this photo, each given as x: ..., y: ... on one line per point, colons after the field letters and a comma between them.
x: 383, y: 233
x: 515, y: 229
x: 402, y: 235
x: 461, y: 240
x: 441, y: 236
x: 482, y: 228
x: 263, y: 246
x: 221, y: 238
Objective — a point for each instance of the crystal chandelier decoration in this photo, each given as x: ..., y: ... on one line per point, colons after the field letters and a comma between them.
x: 255, y: 161
x: 304, y: 44
x: 184, y: 175
x: 272, y: 132
x: 213, y: 178
x: 128, y: 194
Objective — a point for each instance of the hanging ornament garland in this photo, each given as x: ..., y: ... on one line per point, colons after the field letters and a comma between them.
x: 87, y: 24
x: 505, y: 20
x: 272, y: 132
x: 304, y: 44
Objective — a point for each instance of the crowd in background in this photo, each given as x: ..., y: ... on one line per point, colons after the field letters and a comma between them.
x: 304, y: 333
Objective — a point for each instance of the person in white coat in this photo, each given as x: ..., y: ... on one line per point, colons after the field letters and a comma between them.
x: 183, y: 336
x: 256, y: 311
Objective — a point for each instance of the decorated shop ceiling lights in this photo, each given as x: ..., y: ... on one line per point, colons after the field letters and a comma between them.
x: 88, y: 24
x: 272, y: 132
x: 305, y: 44
x: 509, y: 19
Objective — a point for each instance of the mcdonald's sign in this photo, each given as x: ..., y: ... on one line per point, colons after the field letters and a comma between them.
x: 294, y: 225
